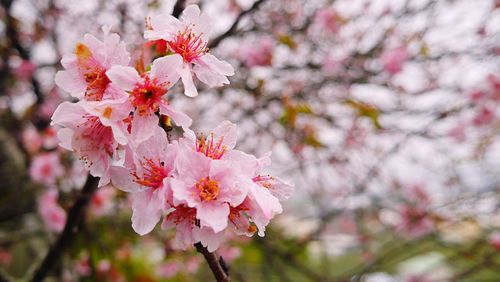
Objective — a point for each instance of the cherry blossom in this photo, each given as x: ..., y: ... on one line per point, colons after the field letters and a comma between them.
x: 146, y: 175
x: 52, y: 214
x: 93, y: 131
x: 145, y: 95
x: 46, y: 168
x: 85, y: 74
x: 188, y: 38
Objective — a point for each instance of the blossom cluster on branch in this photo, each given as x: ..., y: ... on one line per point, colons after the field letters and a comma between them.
x: 200, y: 185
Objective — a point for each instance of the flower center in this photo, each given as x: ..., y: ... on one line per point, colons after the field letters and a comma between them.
x: 182, y: 213
x: 146, y: 96
x: 94, y: 74
x: 152, y: 175
x: 212, y: 149
x: 265, y: 181
x: 208, y: 188
x: 189, y: 45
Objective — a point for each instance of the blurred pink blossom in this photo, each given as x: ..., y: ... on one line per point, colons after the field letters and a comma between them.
x: 494, y: 240
x: 168, y: 269
x: 392, y: 60
x: 52, y: 214
x: 32, y: 140
x: 230, y: 253
x: 102, y: 201
x: 25, y: 70
x: 327, y: 19
x: 415, y: 220
x: 258, y: 53
x: 46, y: 168
x: 485, y: 116
x: 5, y: 257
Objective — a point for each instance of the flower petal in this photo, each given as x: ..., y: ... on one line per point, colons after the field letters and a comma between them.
x: 187, y: 80
x: 124, y: 77
x: 213, y: 214
x: 147, y: 209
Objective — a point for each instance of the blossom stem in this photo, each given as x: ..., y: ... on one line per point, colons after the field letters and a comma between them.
x: 214, y: 263
x: 70, y: 229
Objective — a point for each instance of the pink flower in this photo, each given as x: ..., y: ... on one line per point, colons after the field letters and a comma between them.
x: 393, y: 59
x: 327, y: 19
x: 415, y: 220
x: 230, y: 254
x: 32, y: 140
x: 458, y: 132
x: 494, y: 240
x: 46, y: 168
x: 85, y: 74
x: 485, y: 116
x: 168, y: 269
x: 102, y: 201
x: 52, y: 214
x: 188, y: 38
x: 93, y: 131
x: 146, y: 175
x: 5, y: 257
x: 216, y: 185
x: 25, y: 70
x: 209, y: 186
x: 146, y: 95
x: 82, y: 265
x: 259, y: 53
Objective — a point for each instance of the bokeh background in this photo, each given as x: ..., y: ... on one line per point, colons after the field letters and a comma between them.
x: 383, y: 113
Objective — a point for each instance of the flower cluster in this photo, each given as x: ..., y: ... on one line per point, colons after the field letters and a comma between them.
x: 200, y: 185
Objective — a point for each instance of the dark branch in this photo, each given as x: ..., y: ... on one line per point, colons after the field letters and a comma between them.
x: 13, y: 36
x: 178, y: 8
x: 70, y: 229
x: 233, y: 27
x: 215, y: 264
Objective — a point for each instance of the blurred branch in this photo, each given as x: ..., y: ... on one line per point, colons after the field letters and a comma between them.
x: 216, y: 265
x: 178, y: 8
x: 13, y: 36
x: 66, y: 237
x: 233, y: 27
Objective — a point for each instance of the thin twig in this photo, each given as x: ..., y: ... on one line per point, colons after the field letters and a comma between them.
x: 233, y: 27
x: 70, y: 229
x: 214, y: 263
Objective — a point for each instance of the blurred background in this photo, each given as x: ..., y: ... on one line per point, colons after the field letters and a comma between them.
x: 384, y: 114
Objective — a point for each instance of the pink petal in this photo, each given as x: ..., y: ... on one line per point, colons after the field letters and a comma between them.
x: 143, y: 127
x: 180, y: 118
x: 210, y: 239
x: 124, y: 77
x: 74, y: 85
x: 68, y: 114
x: 164, y: 69
x: 246, y: 164
x: 182, y: 194
x: 187, y: 80
x: 228, y: 131
x: 213, y: 214
x: 147, y: 210
x: 123, y: 180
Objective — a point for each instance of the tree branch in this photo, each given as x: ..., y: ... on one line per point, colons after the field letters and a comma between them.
x: 70, y: 229
x: 233, y: 27
x: 13, y: 36
x: 216, y: 265
x: 178, y: 8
